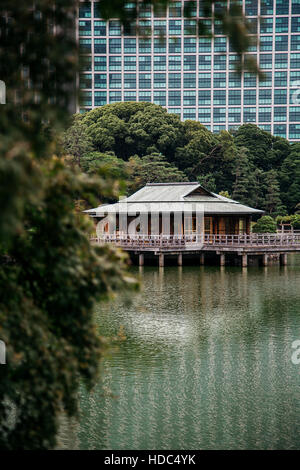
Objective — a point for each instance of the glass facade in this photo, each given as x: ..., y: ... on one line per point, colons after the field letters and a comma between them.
x: 194, y: 75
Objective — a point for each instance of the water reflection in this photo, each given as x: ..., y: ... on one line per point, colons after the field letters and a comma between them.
x: 206, y: 364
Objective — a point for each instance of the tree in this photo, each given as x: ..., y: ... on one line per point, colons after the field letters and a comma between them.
x: 242, y: 187
x: 273, y: 204
x: 50, y: 274
x: 289, y: 176
x: 265, y: 224
x: 153, y: 168
x: 77, y: 142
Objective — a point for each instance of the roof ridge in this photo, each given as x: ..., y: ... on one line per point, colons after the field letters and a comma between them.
x: 172, y: 184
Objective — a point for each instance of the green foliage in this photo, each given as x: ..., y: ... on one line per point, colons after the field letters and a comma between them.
x: 50, y: 274
x: 258, y: 169
x: 265, y: 224
x: 153, y: 168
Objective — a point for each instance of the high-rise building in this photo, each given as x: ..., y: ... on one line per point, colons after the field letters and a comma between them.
x: 169, y: 64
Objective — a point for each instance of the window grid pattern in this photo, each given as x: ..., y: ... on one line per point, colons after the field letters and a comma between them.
x: 193, y: 76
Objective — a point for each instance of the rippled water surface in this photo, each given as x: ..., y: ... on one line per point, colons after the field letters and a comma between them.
x: 206, y: 363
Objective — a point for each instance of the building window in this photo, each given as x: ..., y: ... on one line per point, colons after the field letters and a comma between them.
x: 189, y: 62
x: 204, y: 115
x: 204, y: 44
x: 160, y: 28
x: 175, y: 62
x: 234, y: 80
x: 189, y: 98
x: 219, y: 80
x: 159, y: 80
x: 129, y: 96
x: 85, y: 80
x: 115, y: 63
x: 282, y: 25
x: 85, y: 46
x: 189, y: 80
x: 99, y: 98
x: 282, y: 7
x: 115, y: 96
x: 280, y: 96
x: 85, y: 10
x: 145, y: 46
x: 296, y: 23
x: 85, y: 28
x: 115, y: 46
x: 281, y: 61
x: 175, y: 9
x: 130, y: 62
x: 115, y: 80
x: 249, y: 97
x: 175, y: 98
x: 280, y: 79
x: 266, y: 43
x: 159, y: 62
x: 294, y: 114
x: 100, y: 63
x: 249, y: 114
x: 264, y: 114
x: 114, y: 28
x: 160, y: 46
x: 280, y: 114
x: 266, y: 7
x: 174, y: 45
x: 189, y: 113
x: 219, y: 114
x: 189, y: 45
x: 265, y: 61
x: 174, y: 80
x: 250, y: 7
x: 266, y: 25
x: 144, y: 63
x: 204, y: 97
x: 220, y: 62
x: 267, y: 80
x: 234, y: 115
x: 145, y: 96
x: 281, y: 43
x: 190, y: 27
x: 249, y: 80
x: 219, y: 98
x: 295, y: 43
x: 175, y: 27
x: 295, y: 61
x: 204, y: 80
x: 280, y: 130
x: 204, y: 62
x: 100, y: 46
x: 160, y: 98
x: 129, y: 45
x: 294, y: 131
x: 129, y: 80
x: 100, y: 80
x: 100, y: 28
x: 234, y: 97
x: 265, y: 96
x: 145, y: 80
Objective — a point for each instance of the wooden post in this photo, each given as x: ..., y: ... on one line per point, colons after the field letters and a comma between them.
x: 265, y: 259
x: 283, y: 259
x: 179, y: 259
x: 244, y: 260
x: 222, y: 259
x: 202, y: 259
x: 141, y: 259
x: 161, y: 260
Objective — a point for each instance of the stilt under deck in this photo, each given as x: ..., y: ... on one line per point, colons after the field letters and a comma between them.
x: 266, y: 247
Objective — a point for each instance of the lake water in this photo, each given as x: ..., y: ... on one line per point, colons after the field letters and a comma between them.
x: 206, y: 363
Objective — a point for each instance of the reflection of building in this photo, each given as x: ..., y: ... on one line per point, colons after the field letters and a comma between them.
x: 177, y: 209
x: 194, y: 77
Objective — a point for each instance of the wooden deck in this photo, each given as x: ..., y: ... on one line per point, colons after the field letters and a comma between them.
x: 260, y: 243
